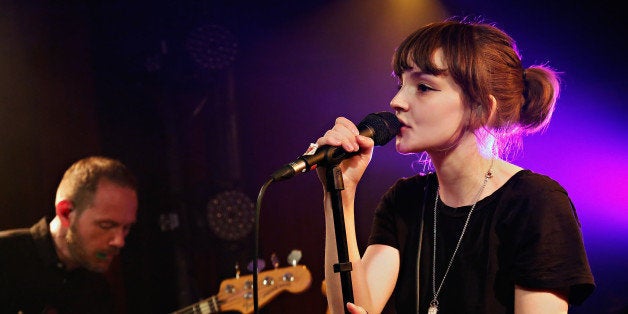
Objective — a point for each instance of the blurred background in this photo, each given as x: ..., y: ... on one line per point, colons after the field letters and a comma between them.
x: 205, y: 99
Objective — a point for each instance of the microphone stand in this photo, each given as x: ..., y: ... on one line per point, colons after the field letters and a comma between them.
x: 334, y: 185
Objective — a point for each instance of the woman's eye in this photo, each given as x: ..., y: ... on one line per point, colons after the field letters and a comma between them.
x: 424, y: 88
x: 420, y: 88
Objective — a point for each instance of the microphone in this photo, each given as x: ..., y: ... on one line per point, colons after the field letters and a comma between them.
x: 380, y: 126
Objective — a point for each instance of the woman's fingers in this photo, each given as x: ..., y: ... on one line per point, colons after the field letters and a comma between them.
x: 354, y: 309
x: 342, y: 134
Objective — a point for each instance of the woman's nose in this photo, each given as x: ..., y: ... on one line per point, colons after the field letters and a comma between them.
x: 398, y: 102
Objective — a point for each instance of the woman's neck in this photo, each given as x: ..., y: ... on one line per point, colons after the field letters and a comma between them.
x: 461, y: 173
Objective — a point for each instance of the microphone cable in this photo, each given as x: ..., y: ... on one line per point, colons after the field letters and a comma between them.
x: 258, y: 206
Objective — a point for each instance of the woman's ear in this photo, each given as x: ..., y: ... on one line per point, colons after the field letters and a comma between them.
x: 492, y: 114
x: 63, y: 210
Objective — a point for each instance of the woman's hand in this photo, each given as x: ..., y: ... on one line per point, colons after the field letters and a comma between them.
x: 354, y: 309
x: 346, y: 135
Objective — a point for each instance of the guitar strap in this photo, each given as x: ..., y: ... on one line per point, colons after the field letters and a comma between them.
x: 418, y: 259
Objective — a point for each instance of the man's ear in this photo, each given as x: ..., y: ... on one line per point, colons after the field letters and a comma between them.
x: 63, y: 210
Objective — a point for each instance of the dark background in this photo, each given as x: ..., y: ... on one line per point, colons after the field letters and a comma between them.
x: 205, y: 99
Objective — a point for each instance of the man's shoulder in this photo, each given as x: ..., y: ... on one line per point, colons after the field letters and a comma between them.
x: 25, y: 241
x: 40, y: 228
x: 15, y: 235
x: 15, y: 245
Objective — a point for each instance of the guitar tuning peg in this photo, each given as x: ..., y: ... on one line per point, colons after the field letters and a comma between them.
x: 260, y: 265
x: 274, y: 260
x: 294, y: 257
x: 237, y: 270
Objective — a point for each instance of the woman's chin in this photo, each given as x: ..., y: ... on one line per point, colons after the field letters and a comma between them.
x: 402, y: 149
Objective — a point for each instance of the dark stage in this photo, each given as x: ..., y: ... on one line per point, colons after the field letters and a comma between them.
x: 205, y: 99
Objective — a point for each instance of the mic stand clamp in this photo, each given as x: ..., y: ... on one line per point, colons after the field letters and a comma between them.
x: 334, y: 185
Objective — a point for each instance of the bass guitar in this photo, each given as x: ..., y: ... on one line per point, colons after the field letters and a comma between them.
x: 236, y: 294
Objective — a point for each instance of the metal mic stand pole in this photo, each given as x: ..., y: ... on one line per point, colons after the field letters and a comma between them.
x: 335, y: 185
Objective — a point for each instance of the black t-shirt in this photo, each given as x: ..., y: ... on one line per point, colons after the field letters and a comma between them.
x: 33, y: 280
x: 525, y: 233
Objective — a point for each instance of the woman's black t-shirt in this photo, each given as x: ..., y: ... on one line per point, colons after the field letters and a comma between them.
x: 526, y: 233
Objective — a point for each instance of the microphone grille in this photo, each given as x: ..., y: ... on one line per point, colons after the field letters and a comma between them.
x: 385, y: 126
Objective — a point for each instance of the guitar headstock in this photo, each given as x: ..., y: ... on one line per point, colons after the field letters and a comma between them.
x: 236, y: 294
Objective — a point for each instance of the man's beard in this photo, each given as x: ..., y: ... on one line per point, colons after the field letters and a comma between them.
x: 79, y: 253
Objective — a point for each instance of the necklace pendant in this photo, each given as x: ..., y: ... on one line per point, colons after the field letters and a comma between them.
x: 433, y: 309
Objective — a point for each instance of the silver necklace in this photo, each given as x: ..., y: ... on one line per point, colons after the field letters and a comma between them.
x: 433, y: 309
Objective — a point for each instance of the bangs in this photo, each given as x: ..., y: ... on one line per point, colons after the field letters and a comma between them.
x: 460, y: 52
x: 456, y: 39
x: 418, y: 50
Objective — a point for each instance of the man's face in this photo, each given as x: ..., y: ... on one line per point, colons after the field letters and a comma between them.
x: 97, y: 234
